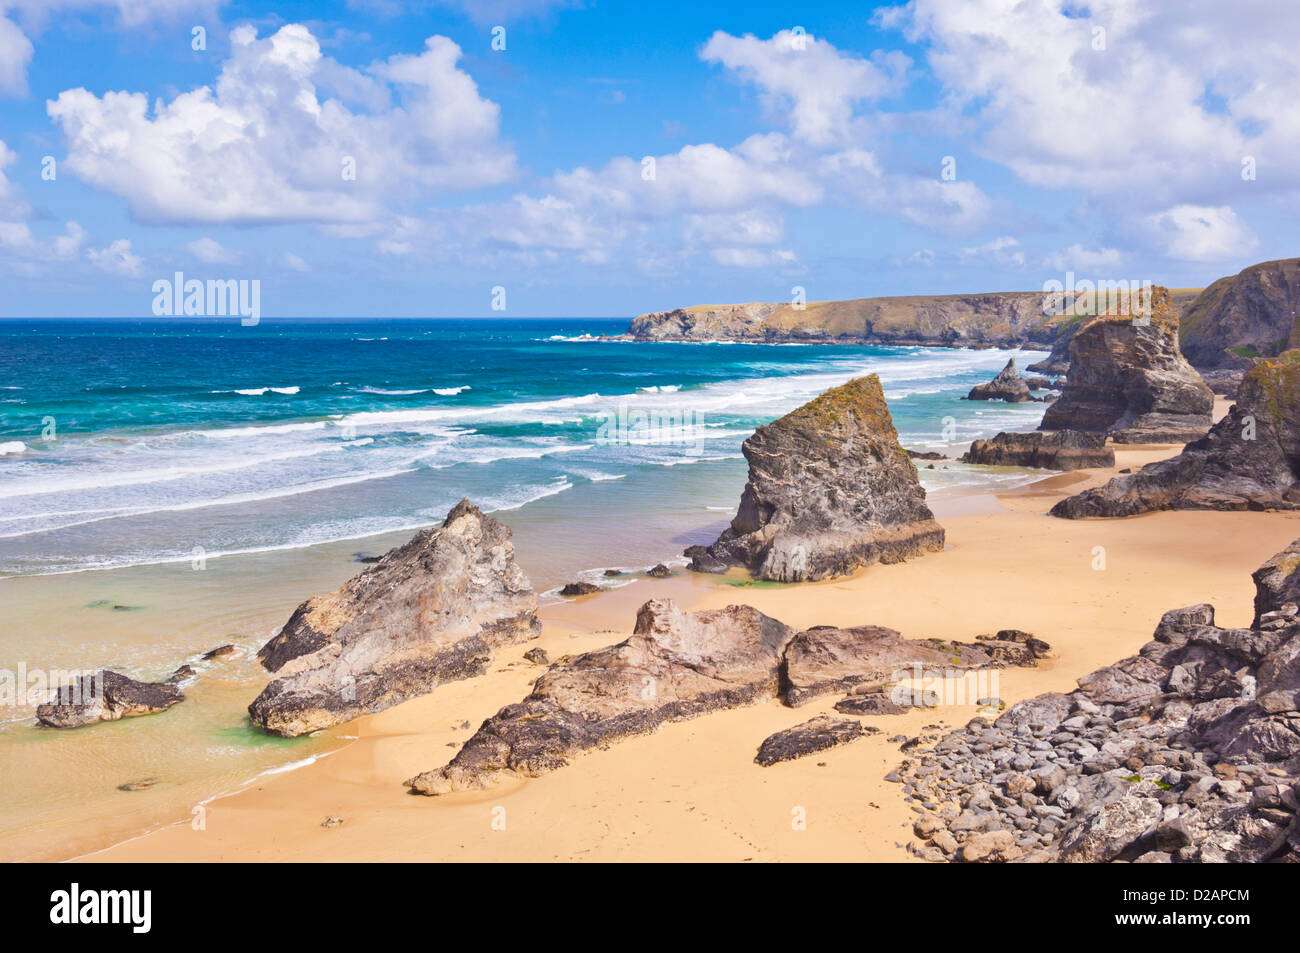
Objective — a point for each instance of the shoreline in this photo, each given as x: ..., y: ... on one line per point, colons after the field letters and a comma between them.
x: 691, y: 790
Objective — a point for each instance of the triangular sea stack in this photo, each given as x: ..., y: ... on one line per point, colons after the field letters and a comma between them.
x: 830, y: 490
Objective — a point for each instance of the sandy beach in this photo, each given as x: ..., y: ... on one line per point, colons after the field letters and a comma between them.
x: 692, y: 791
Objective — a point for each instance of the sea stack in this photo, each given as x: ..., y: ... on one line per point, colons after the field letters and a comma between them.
x: 429, y: 611
x: 1128, y: 379
x: 1249, y: 461
x: 830, y: 490
x: 1008, y: 385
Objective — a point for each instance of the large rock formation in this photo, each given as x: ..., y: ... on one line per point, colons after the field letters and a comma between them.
x: 1188, y: 751
x: 1007, y: 385
x: 1128, y: 379
x: 430, y: 611
x: 106, y: 696
x: 1249, y: 461
x: 830, y: 490
x: 679, y: 665
x: 1059, y: 450
x: 1244, y: 316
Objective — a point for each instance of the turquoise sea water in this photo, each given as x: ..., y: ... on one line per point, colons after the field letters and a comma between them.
x: 135, y: 443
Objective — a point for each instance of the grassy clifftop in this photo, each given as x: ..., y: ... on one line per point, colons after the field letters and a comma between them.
x: 999, y: 319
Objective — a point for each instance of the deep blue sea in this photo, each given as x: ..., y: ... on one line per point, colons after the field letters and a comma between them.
x: 127, y: 443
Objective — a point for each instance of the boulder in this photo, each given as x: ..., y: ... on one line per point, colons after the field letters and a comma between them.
x: 816, y: 734
x: 106, y: 696
x: 1007, y: 385
x: 1128, y: 379
x: 830, y: 491
x: 579, y: 589
x: 1250, y: 460
x: 430, y: 611
x: 1058, y: 450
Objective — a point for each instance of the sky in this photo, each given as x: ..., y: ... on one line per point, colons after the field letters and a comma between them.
x: 528, y: 158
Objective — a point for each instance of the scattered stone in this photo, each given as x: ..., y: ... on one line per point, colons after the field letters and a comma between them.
x: 185, y: 673
x: 220, y: 653
x: 537, y: 656
x: 659, y: 572
x: 142, y: 785
x: 579, y: 589
x: 830, y: 490
x: 613, y: 572
x: 332, y: 821
x: 1186, y: 752
x: 432, y: 610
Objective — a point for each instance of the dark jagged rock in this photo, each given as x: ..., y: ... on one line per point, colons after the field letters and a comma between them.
x: 1007, y: 385
x: 1128, y: 379
x: 1057, y: 363
x: 1245, y: 316
x: 659, y: 571
x: 106, y: 696
x: 816, y: 734
x: 1277, y: 582
x: 220, y: 653
x: 1250, y: 460
x: 924, y: 454
x: 1189, y: 749
x: 1058, y: 450
x: 830, y: 490
x: 579, y: 589
x: 430, y: 611
x: 538, y: 656
x: 679, y: 665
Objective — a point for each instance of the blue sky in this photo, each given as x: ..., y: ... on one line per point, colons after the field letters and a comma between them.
x: 791, y: 145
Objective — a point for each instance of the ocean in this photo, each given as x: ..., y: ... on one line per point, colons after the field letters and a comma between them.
x: 167, y: 486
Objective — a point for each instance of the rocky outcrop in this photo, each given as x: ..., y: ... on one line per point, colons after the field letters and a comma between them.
x: 1128, y: 379
x: 1249, y: 461
x: 106, y: 696
x: 830, y: 490
x: 826, y: 659
x: 1006, y: 385
x: 430, y: 611
x: 1058, y: 450
x: 1188, y: 751
x: 679, y: 665
x: 1245, y: 316
x: 816, y: 734
x: 1012, y: 319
